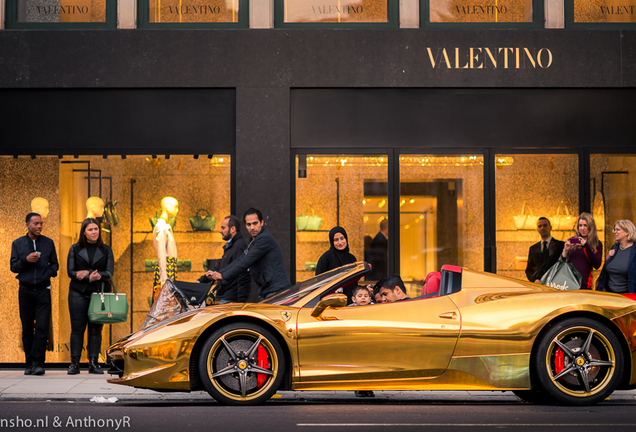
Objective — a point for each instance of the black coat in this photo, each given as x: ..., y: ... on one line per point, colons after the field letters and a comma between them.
x: 237, y: 289
x: 537, y: 266
x: 103, y: 262
x: 603, y: 279
x: 264, y: 260
x: 39, y: 273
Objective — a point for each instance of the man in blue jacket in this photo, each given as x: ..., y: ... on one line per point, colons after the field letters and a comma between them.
x: 34, y: 259
x: 263, y: 258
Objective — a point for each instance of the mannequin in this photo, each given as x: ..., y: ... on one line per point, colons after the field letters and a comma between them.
x: 165, y: 246
x: 40, y: 206
x: 94, y: 207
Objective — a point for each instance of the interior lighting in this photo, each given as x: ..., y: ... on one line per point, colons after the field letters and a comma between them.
x: 412, y: 201
x: 382, y: 203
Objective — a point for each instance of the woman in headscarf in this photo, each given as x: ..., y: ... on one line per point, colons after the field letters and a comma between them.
x: 338, y: 254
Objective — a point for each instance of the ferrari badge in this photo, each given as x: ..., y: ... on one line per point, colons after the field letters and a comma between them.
x: 286, y: 315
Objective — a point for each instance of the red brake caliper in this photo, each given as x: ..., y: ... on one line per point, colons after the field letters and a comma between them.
x: 558, y: 361
x: 263, y: 362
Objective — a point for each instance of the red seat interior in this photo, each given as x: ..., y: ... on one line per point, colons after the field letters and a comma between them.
x: 431, y: 283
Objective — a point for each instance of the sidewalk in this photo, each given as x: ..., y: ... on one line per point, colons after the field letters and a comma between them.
x: 56, y: 385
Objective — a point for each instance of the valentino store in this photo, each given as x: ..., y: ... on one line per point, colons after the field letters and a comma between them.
x: 451, y: 140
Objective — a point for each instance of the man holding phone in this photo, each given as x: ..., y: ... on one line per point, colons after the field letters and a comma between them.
x: 34, y: 259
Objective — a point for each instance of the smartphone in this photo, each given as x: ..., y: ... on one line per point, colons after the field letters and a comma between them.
x: 38, y: 253
x: 574, y: 240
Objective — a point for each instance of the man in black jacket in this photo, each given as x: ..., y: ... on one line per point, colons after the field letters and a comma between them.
x: 237, y: 289
x: 262, y: 257
x: 544, y: 254
x: 34, y: 259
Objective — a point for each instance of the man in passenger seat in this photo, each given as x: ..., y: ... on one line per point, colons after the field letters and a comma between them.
x: 392, y: 289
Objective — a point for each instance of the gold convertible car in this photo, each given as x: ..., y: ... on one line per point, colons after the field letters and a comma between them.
x: 478, y: 332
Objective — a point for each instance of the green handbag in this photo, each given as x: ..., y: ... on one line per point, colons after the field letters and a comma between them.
x: 308, y: 223
x: 172, y: 221
x: 108, y: 308
x: 206, y: 223
x: 110, y: 214
x: 182, y: 265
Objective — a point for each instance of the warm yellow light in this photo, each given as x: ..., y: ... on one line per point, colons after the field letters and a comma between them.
x: 366, y: 218
x: 364, y: 202
x: 421, y: 216
x: 412, y: 201
x: 220, y: 159
x: 406, y: 227
x: 381, y: 203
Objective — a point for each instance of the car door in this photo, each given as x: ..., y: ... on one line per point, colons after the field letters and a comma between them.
x: 407, y: 339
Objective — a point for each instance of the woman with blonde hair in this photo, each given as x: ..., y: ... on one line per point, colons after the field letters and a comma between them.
x: 619, y: 272
x: 585, y: 250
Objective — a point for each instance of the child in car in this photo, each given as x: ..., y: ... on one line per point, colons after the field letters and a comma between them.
x: 361, y: 296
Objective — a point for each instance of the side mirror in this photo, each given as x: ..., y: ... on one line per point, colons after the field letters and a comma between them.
x: 333, y: 301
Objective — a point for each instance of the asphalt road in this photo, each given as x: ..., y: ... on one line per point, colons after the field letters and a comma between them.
x: 299, y: 416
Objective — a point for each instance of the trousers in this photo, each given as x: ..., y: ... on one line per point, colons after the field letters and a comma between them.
x: 78, y: 309
x: 35, y: 315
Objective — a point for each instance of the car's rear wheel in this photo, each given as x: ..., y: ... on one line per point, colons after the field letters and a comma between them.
x: 579, y: 361
x: 241, y: 364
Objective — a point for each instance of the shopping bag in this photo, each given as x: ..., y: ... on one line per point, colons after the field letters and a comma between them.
x: 562, y: 276
x: 108, y: 308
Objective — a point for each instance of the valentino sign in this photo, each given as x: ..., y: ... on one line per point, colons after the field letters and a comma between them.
x: 490, y: 58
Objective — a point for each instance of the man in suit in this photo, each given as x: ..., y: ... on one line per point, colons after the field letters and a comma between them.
x: 544, y: 254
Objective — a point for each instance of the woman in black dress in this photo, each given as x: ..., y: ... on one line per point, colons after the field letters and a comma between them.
x: 338, y: 254
x: 89, y: 263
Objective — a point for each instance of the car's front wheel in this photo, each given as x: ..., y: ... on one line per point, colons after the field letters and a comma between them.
x: 579, y: 361
x: 241, y: 364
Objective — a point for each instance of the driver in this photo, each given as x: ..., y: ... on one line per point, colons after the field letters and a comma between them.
x: 392, y: 289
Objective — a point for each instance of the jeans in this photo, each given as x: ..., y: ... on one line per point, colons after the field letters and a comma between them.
x: 35, y: 305
x: 78, y: 309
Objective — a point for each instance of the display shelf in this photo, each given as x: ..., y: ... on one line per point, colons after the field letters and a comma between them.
x: 311, y: 231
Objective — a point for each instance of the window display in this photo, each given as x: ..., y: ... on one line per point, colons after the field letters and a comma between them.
x: 604, y: 11
x: 350, y: 191
x: 536, y: 202
x: 122, y: 193
x: 441, y: 208
x: 180, y: 11
x: 340, y: 11
x: 487, y: 11
x: 61, y: 14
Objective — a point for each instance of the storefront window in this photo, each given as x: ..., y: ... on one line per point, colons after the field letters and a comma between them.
x: 441, y: 213
x: 50, y: 14
x: 340, y: 12
x: 613, y: 192
x: 350, y: 191
x: 487, y: 11
x: 129, y: 193
x: 604, y: 11
x: 193, y: 12
x: 529, y: 187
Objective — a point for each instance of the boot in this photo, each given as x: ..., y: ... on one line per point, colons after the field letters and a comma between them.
x: 74, y: 369
x: 93, y: 366
x: 38, y: 368
x: 29, y: 369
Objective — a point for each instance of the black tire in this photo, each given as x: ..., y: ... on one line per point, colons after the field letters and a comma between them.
x: 579, y: 361
x: 230, y: 377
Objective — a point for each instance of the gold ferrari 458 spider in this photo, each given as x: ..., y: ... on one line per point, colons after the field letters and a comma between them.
x: 478, y: 332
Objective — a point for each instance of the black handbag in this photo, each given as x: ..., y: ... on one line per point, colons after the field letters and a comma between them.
x: 206, y: 223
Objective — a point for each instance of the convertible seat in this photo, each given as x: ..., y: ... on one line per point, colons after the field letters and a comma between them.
x: 451, y: 281
x: 431, y: 284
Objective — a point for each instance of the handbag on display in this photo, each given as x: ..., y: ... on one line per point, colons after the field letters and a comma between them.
x: 308, y: 223
x: 205, y: 223
x: 563, y: 221
x: 110, y: 214
x: 525, y: 221
x: 562, y: 276
x: 108, y: 308
x: 172, y: 221
x: 182, y: 265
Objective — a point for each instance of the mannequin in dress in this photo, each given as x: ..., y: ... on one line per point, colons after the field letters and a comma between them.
x: 165, y: 246
x: 94, y: 207
x: 40, y: 206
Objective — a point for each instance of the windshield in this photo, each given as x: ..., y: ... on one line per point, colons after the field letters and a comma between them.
x: 300, y: 290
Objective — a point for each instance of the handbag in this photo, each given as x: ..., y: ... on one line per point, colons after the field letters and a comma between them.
x: 563, y: 221
x: 172, y: 220
x: 525, y: 221
x: 206, y: 223
x: 110, y: 214
x: 308, y: 223
x: 182, y: 265
x: 598, y: 211
x: 562, y: 276
x: 108, y: 308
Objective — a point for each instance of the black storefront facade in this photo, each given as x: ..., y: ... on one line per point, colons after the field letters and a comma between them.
x: 478, y: 126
